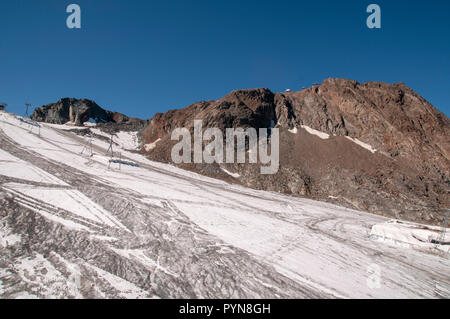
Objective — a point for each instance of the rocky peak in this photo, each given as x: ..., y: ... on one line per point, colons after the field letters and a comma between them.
x: 241, y: 108
x: 251, y: 98
x: 79, y: 111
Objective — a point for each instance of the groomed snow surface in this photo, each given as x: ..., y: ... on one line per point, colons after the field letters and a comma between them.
x: 179, y: 234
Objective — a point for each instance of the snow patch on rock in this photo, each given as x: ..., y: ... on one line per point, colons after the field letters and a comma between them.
x: 235, y: 175
x: 362, y: 144
x: 150, y: 146
x: 312, y: 131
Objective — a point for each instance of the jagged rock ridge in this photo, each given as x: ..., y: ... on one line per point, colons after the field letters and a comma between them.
x: 81, y: 111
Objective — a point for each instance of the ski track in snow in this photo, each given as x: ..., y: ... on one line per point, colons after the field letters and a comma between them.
x: 156, y: 231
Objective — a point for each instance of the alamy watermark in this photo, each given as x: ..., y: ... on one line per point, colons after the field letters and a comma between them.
x: 374, y: 20
x: 73, y: 21
x: 258, y: 146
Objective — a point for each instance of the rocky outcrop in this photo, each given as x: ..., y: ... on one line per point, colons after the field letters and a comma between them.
x: 406, y: 177
x: 81, y: 111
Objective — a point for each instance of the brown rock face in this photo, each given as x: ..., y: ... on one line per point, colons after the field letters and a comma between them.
x: 81, y: 111
x: 407, y: 177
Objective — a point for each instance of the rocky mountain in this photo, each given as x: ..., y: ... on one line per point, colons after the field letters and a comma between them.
x: 375, y: 147
x: 81, y: 111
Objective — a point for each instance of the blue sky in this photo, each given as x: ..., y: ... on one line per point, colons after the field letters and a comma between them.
x: 140, y: 57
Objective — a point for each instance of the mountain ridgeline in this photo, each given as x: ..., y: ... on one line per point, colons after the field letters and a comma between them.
x: 376, y: 147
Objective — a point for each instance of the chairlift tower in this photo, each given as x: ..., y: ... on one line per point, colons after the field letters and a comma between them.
x: 31, y: 122
x: 111, y: 142
x: 88, y: 146
x: 27, y: 107
x: 32, y: 125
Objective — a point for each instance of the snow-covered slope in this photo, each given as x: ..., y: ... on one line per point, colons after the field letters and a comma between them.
x: 73, y: 225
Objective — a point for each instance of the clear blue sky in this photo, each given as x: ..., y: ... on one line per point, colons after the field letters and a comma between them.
x: 141, y: 57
